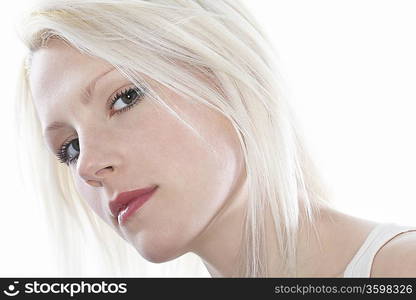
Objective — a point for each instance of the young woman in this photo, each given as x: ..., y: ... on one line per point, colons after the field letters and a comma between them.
x: 166, y: 118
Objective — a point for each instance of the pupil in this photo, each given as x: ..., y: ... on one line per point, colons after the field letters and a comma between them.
x: 129, y: 96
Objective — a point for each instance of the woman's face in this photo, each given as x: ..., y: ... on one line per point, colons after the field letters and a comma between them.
x: 138, y: 147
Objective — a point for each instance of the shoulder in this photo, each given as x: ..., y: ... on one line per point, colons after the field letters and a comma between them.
x: 397, y: 258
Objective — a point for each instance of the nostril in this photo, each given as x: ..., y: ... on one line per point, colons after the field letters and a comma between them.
x: 110, y: 168
x: 102, y: 171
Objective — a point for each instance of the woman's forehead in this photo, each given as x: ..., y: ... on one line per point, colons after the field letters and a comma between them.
x: 59, y: 58
x: 58, y: 67
x: 59, y: 73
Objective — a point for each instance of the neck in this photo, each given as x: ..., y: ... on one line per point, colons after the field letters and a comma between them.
x: 219, y: 244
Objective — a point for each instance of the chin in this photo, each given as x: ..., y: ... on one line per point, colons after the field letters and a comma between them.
x: 158, y: 250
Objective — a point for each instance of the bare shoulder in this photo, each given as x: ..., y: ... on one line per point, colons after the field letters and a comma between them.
x: 397, y: 258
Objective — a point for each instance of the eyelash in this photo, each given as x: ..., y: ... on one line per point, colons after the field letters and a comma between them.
x: 61, y: 153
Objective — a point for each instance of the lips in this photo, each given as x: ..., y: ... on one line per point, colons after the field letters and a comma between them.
x: 123, y: 199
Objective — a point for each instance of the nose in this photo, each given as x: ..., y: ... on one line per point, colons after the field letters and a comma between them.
x: 94, y: 166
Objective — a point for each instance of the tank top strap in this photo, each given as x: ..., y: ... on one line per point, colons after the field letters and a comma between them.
x: 360, y: 265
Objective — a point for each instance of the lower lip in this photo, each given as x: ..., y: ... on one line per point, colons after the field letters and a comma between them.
x: 133, y: 206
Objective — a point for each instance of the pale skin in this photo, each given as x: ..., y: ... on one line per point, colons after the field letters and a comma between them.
x: 201, y: 198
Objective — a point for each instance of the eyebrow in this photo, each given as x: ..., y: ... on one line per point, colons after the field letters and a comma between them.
x: 86, y: 94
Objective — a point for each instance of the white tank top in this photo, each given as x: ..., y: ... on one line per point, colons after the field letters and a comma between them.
x: 360, y: 265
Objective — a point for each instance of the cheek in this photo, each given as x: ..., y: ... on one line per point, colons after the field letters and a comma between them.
x: 194, y: 183
x: 192, y: 166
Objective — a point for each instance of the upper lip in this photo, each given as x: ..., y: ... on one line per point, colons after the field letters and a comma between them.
x: 122, y: 199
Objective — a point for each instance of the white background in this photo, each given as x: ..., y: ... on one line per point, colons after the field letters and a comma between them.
x: 350, y: 68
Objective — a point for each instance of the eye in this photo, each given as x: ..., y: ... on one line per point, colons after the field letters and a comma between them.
x: 69, y: 151
x: 127, y: 99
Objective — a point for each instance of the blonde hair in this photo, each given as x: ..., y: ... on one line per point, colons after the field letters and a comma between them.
x: 212, y: 52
